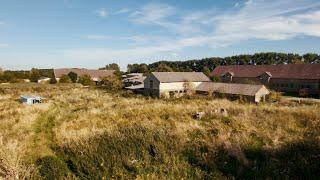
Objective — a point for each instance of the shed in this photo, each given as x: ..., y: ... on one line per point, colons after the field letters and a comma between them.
x: 253, y: 93
x: 27, y: 99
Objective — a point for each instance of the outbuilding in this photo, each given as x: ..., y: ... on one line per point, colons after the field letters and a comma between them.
x: 168, y: 84
x: 26, y: 99
x: 251, y: 92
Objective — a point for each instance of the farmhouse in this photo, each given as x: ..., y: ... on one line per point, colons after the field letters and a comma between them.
x: 31, y: 99
x: 252, y: 93
x: 285, y: 77
x: 167, y: 84
x: 96, y: 75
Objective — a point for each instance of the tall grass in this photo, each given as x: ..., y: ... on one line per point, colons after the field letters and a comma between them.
x: 91, y: 134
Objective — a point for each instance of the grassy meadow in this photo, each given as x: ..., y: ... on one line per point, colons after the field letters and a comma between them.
x: 88, y: 133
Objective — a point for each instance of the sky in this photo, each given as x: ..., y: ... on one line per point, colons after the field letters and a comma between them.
x: 93, y: 33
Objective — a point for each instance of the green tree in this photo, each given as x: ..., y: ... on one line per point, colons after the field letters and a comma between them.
x: 112, y: 66
x: 34, y: 75
x: 206, y: 71
x: 137, y: 68
x: 65, y: 79
x: 85, y: 80
x: 73, y: 76
x: 163, y: 68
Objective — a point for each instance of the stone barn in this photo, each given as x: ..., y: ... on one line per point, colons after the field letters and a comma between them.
x: 252, y: 93
x: 172, y: 84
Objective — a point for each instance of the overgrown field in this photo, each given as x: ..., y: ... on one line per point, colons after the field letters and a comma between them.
x: 82, y: 133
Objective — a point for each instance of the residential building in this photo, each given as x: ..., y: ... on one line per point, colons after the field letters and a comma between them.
x: 285, y: 78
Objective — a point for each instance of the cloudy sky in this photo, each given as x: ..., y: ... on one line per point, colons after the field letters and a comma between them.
x: 92, y: 33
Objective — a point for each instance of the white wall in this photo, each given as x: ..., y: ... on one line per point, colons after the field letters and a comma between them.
x: 176, y: 86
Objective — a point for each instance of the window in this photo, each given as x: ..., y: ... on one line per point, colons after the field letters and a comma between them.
x: 151, y: 84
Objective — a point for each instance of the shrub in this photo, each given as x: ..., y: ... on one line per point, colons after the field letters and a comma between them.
x: 73, y: 76
x: 112, y: 83
x: 64, y: 79
x: 51, y: 167
x: 85, y: 80
x: 274, y: 96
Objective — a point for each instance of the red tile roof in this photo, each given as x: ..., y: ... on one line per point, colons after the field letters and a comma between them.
x: 286, y: 71
x: 97, y: 74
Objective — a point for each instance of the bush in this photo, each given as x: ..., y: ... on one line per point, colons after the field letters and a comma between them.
x: 51, y: 167
x: 85, y: 80
x: 274, y: 96
x: 73, y: 76
x: 64, y: 79
x: 112, y: 83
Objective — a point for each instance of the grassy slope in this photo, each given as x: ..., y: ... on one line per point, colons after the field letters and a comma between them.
x: 93, y: 134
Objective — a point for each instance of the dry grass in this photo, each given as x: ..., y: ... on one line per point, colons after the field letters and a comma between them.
x: 75, y: 115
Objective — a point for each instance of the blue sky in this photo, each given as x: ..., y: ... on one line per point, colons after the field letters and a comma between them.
x: 92, y: 33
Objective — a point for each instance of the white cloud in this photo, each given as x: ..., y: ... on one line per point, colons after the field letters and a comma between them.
x: 153, y: 13
x: 98, y: 37
x: 123, y: 11
x: 255, y: 19
x: 101, y: 12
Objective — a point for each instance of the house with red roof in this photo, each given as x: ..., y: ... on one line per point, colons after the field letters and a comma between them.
x: 284, y: 77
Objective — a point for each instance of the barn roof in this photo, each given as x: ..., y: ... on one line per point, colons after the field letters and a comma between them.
x: 230, y: 88
x: 80, y: 72
x: 286, y: 71
x: 181, y: 76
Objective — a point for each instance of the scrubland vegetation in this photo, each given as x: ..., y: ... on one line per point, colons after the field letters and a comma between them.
x: 88, y: 133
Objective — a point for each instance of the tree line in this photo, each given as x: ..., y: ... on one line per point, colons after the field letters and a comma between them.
x: 207, y: 65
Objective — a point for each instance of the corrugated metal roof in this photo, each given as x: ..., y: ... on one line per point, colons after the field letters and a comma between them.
x: 181, y: 76
x: 230, y: 88
x: 286, y: 71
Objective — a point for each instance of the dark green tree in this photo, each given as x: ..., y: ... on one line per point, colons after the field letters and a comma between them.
x: 163, y: 68
x: 112, y: 66
x: 73, y: 76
